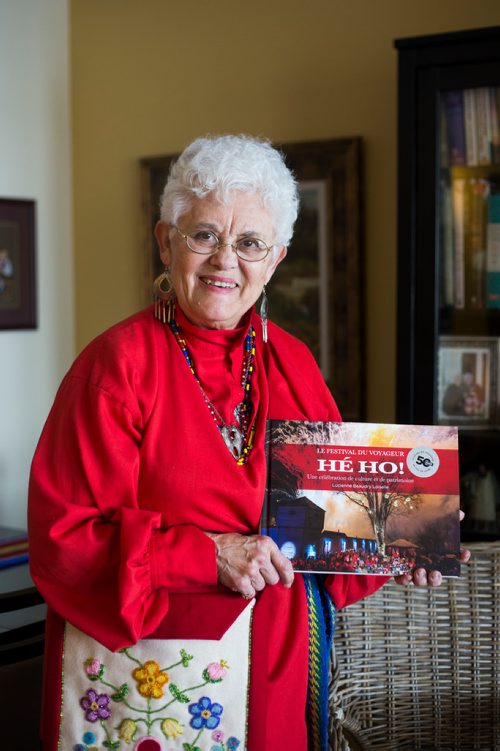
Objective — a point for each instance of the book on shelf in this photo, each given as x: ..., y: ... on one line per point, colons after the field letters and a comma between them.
x: 493, y: 251
x: 13, y: 546
x: 363, y: 498
x: 470, y: 127
x: 470, y: 135
x: 458, y: 225
x: 447, y: 251
x: 464, y: 237
x: 475, y: 242
x: 495, y: 124
x: 453, y: 103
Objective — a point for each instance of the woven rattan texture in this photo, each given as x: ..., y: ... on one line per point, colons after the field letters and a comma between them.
x: 418, y: 669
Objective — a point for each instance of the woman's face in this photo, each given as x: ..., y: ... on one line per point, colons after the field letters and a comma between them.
x: 215, y: 291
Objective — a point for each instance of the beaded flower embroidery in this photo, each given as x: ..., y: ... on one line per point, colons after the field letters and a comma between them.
x: 153, y: 684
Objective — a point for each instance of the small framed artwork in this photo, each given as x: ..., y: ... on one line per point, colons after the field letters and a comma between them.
x: 317, y: 293
x: 17, y: 264
x: 468, y: 381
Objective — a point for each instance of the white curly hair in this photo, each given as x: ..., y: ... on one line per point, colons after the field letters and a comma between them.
x: 221, y: 165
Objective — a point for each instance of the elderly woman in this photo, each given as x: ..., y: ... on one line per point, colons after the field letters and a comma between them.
x: 172, y: 624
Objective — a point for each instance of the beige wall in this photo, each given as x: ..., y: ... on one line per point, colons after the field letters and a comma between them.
x: 35, y: 160
x: 150, y: 75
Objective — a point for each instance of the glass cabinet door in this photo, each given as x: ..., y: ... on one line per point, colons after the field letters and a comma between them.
x: 469, y: 254
x: 448, y: 326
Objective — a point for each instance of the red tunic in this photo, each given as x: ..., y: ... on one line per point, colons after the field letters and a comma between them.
x: 129, y: 471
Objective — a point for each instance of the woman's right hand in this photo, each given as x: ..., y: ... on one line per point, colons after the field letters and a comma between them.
x: 246, y: 563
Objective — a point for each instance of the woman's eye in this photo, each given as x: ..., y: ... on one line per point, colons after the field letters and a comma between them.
x: 250, y: 243
x: 203, y: 236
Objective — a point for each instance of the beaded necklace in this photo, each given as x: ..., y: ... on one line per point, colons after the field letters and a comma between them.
x: 232, y: 435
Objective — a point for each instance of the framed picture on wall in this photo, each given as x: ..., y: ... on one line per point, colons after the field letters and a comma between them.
x: 468, y: 381
x: 317, y: 293
x: 17, y: 264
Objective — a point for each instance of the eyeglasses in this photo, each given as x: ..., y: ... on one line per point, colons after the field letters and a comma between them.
x: 205, y: 242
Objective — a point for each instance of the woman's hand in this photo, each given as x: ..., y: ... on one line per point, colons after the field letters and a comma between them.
x: 246, y: 563
x: 421, y: 578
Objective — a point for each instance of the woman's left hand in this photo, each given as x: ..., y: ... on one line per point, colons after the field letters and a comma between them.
x: 421, y: 578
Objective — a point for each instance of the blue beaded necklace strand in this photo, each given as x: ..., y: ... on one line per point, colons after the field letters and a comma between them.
x: 232, y: 435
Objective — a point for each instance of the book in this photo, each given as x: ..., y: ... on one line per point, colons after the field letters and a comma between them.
x: 493, y: 251
x: 476, y: 221
x: 470, y: 125
x: 453, y: 104
x: 363, y: 498
x: 458, y: 206
x: 484, y: 125
x: 13, y: 546
x: 494, y: 93
x: 447, y: 253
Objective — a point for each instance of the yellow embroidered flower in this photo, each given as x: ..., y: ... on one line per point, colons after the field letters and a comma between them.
x: 150, y: 679
x: 171, y: 728
x: 127, y: 730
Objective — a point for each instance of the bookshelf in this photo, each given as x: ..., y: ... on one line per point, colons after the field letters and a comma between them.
x: 448, y: 304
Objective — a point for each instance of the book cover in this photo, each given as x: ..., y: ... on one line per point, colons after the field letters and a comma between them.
x: 458, y: 207
x: 476, y: 221
x: 484, y: 126
x: 13, y: 546
x: 363, y: 498
x: 447, y: 253
x: 493, y: 252
x: 454, y: 109
x: 470, y: 124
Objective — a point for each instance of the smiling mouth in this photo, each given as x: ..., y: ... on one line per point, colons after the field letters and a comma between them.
x: 214, y: 283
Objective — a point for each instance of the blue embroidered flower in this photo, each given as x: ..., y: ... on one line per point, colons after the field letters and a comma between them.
x: 88, y: 738
x: 79, y: 747
x: 232, y: 743
x: 206, y: 714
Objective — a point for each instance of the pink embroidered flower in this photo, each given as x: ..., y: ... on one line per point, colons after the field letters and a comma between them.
x: 92, y: 666
x: 216, y: 671
x: 95, y: 706
x: 218, y: 736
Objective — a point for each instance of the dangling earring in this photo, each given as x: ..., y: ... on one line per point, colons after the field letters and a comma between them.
x: 263, y: 313
x: 162, y: 289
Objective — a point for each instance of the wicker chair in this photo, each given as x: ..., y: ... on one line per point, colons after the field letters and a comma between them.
x: 418, y: 669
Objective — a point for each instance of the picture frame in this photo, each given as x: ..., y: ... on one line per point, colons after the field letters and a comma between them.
x: 467, y: 384
x: 17, y: 264
x: 317, y: 293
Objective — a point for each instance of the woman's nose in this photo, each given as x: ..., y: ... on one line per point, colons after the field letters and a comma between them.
x: 224, y: 256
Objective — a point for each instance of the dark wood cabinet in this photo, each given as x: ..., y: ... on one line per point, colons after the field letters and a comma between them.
x: 448, y: 296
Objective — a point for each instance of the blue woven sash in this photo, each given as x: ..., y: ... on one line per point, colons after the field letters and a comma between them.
x: 321, y: 616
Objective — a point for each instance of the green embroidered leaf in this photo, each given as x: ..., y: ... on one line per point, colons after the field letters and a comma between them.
x: 177, y: 694
x: 185, y: 658
x: 122, y: 692
x: 111, y: 744
x: 124, y: 689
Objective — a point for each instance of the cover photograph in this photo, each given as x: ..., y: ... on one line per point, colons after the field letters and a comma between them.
x: 363, y: 498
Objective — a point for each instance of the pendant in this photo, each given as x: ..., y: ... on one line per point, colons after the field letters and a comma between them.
x: 233, y: 438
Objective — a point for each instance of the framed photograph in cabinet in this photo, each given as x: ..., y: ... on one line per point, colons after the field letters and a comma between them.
x: 317, y: 293
x: 468, y: 381
x: 17, y: 264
